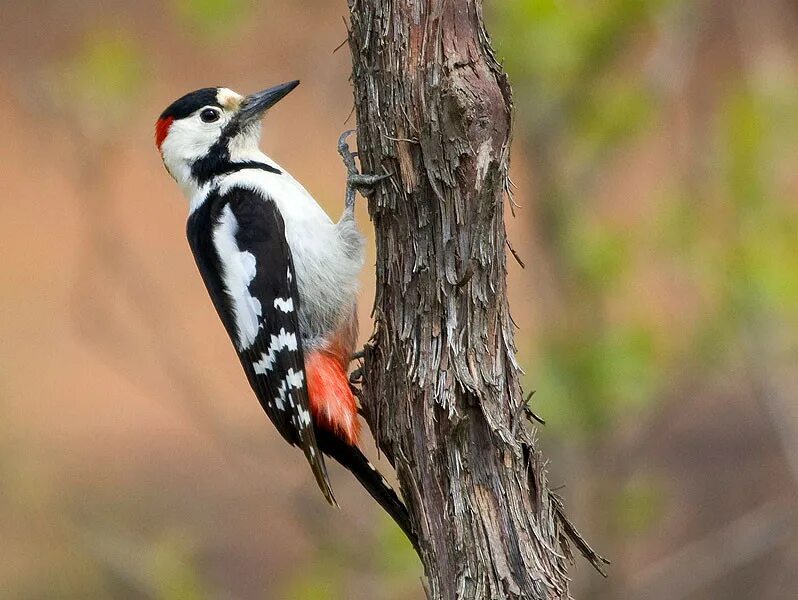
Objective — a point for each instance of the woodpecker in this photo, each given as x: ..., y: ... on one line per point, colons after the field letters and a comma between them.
x: 280, y: 273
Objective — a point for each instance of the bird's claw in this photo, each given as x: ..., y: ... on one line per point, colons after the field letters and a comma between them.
x: 346, y: 154
x: 355, y: 180
x: 356, y: 376
x: 362, y: 182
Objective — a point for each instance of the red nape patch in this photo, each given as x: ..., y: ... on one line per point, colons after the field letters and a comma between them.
x: 331, y: 401
x: 162, y: 129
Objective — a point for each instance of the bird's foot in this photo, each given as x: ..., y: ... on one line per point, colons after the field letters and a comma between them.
x: 364, y: 183
x: 355, y: 180
x: 356, y: 376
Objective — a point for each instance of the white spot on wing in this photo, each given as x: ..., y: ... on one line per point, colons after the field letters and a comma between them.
x: 282, y: 340
x: 304, y: 416
x: 238, y: 271
x: 284, y: 304
x: 293, y: 380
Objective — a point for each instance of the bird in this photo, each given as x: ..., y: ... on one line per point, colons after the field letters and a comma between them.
x: 282, y: 276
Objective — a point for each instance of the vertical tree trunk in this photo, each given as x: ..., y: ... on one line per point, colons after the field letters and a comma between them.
x: 441, y: 384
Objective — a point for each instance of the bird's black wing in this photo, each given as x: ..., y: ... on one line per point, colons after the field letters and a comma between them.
x: 238, y: 241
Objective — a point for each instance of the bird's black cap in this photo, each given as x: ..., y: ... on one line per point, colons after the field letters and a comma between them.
x: 186, y: 105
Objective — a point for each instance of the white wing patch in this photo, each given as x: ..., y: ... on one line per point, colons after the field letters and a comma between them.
x: 284, y: 304
x: 304, y: 416
x: 276, y: 343
x: 293, y: 380
x: 238, y: 271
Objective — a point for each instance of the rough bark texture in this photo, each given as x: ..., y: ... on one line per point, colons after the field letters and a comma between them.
x: 441, y: 387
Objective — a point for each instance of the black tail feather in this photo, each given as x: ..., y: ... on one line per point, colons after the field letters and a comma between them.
x: 370, y: 478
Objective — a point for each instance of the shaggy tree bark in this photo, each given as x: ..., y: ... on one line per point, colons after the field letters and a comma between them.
x: 441, y: 387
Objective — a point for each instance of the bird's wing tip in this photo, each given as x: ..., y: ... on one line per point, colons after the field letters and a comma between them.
x: 319, y: 468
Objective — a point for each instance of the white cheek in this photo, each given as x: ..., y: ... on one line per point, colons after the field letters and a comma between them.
x: 188, y: 140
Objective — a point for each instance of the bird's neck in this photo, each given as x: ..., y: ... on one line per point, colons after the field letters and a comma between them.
x: 188, y: 184
x: 198, y: 178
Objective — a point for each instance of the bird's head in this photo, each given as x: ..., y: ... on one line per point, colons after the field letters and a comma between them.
x: 210, y: 127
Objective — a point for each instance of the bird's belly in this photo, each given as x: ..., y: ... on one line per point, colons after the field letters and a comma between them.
x: 327, y: 281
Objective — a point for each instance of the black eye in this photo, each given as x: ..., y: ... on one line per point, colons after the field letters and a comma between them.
x: 209, y: 115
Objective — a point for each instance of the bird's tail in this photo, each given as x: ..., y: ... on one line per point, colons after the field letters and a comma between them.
x: 370, y: 478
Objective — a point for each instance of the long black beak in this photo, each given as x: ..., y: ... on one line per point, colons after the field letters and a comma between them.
x: 254, y: 105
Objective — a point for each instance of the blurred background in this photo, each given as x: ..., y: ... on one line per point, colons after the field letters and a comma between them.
x: 654, y: 168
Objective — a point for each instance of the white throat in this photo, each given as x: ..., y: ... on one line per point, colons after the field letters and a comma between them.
x: 181, y: 172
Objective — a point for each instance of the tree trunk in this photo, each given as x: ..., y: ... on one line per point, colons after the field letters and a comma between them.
x: 441, y: 387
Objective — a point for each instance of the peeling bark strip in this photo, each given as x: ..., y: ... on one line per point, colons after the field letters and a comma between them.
x: 441, y: 384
